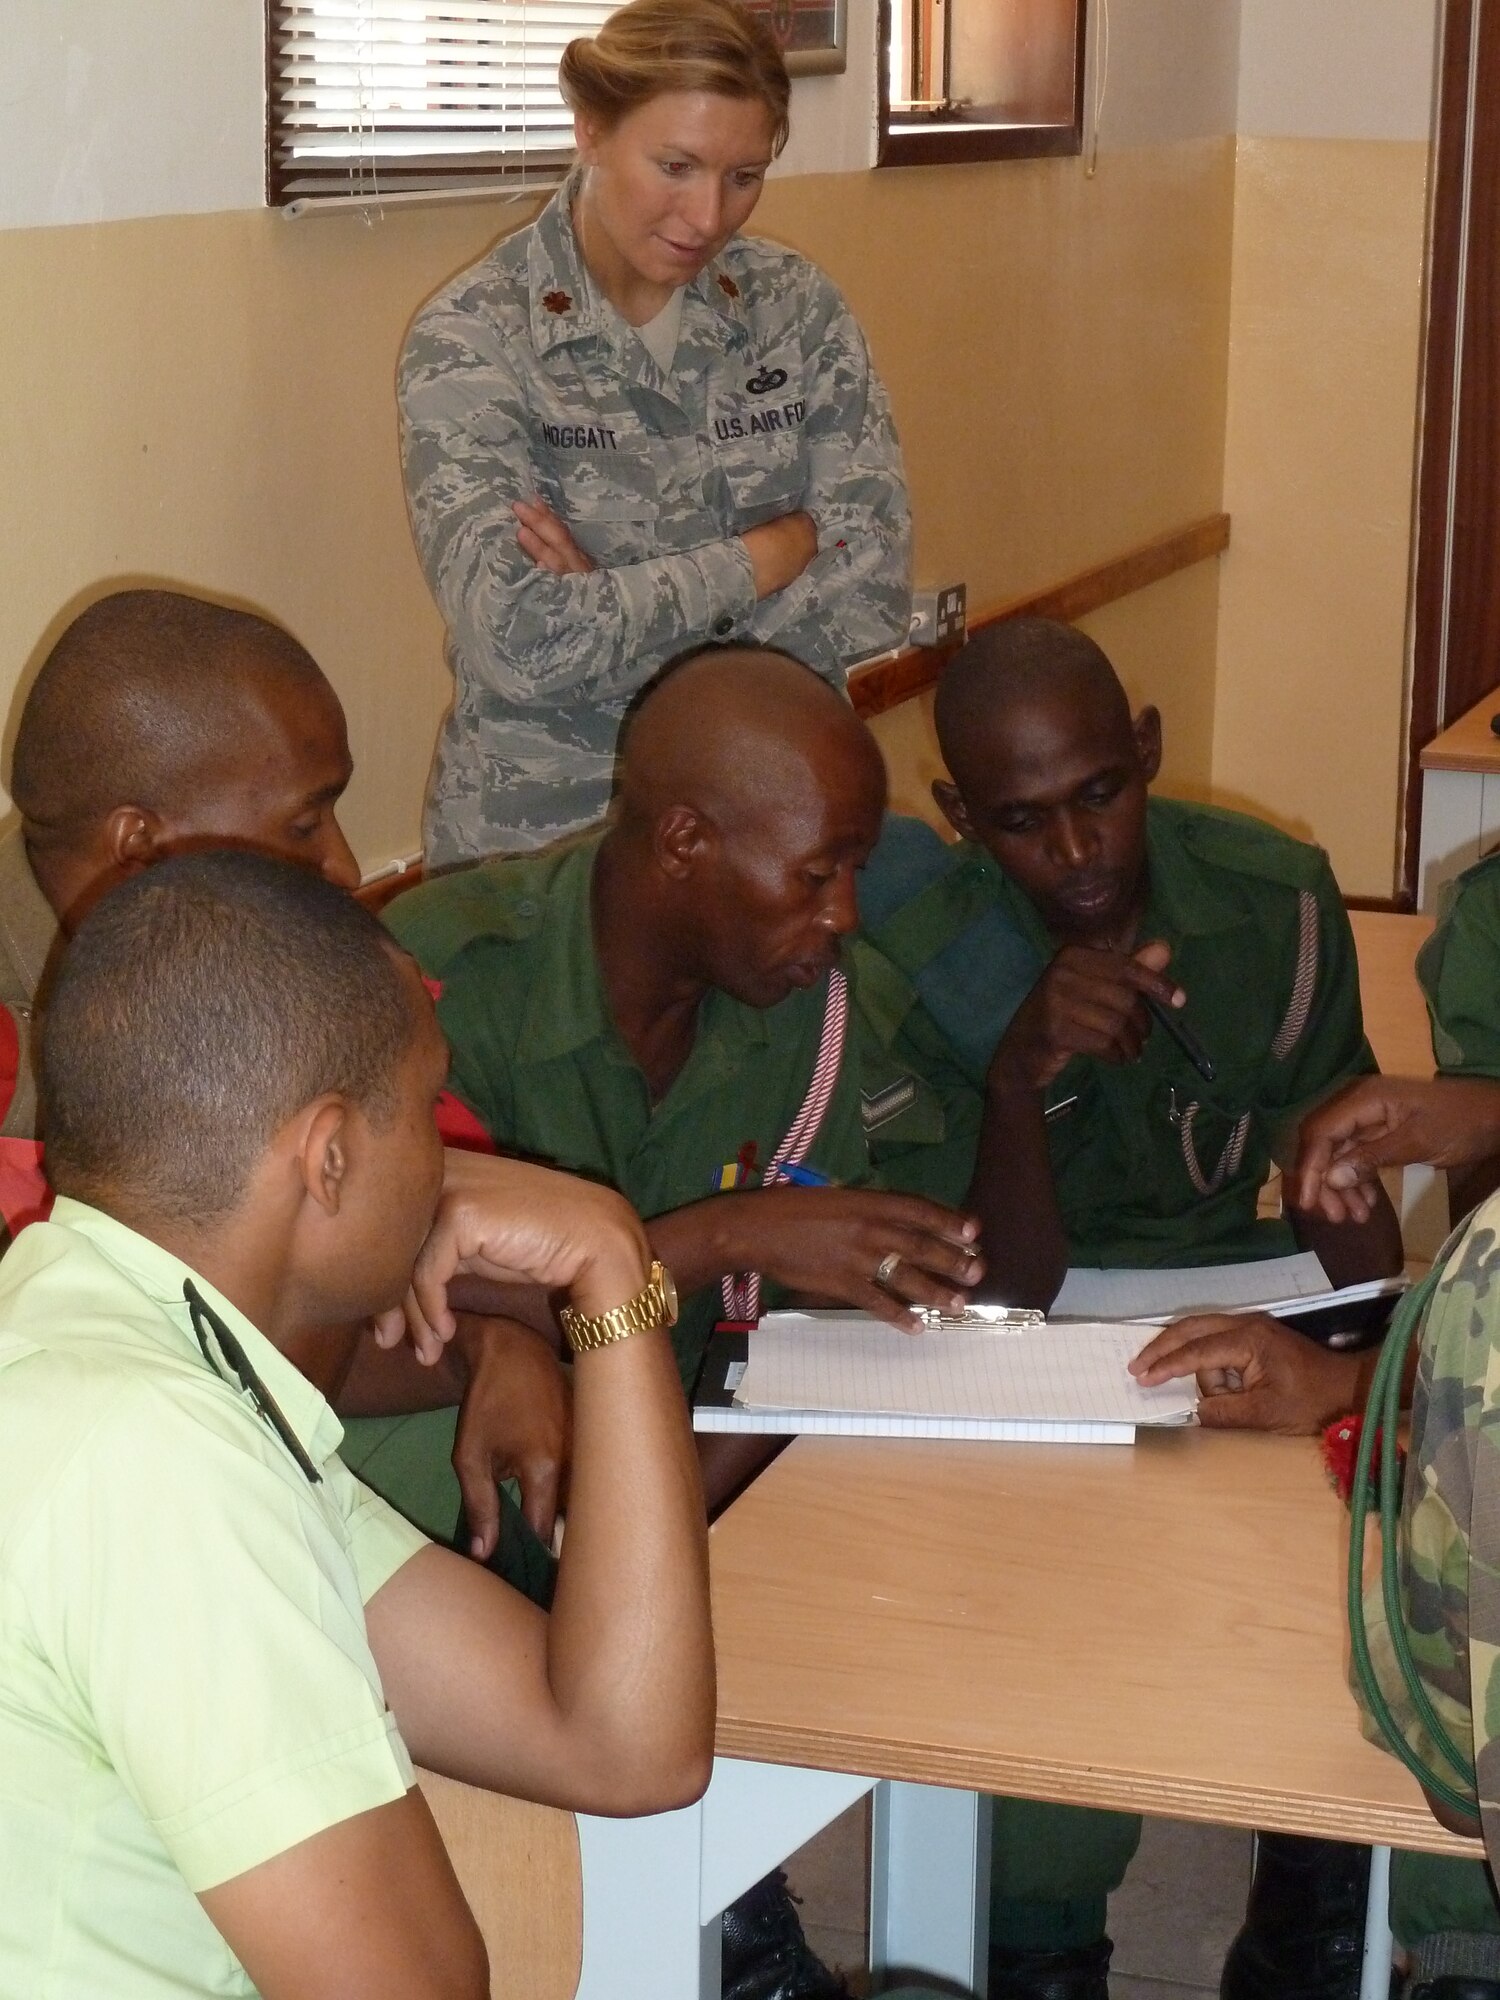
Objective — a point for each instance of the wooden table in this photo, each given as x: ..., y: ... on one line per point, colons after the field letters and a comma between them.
x: 1460, y: 799
x: 1158, y: 1629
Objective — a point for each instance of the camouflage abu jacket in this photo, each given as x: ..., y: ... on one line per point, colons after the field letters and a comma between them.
x: 519, y: 380
x: 1449, y: 1537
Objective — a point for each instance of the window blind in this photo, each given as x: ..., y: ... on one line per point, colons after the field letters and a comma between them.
x: 371, y: 97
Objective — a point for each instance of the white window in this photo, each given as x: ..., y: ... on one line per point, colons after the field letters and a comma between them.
x: 372, y: 97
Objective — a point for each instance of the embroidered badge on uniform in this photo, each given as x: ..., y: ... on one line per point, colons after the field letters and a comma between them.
x: 766, y: 380
x: 557, y: 302
x: 727, y: 286
x: 879, y: 1107
x: 735, y: 1173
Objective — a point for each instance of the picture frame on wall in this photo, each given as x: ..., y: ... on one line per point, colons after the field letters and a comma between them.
x: 811, y: 33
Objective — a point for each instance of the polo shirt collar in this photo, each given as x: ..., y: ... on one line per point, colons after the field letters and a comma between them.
x: 160, y: 1277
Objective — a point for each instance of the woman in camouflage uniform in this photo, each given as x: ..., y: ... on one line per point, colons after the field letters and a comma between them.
x: 628, y: 430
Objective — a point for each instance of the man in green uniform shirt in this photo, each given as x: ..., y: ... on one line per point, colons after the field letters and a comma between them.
x: 1077, y: 915
x: 654, y: 1005
x: 1459, y: 970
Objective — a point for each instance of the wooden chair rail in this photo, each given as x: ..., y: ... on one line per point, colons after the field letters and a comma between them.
x: 875, y: 689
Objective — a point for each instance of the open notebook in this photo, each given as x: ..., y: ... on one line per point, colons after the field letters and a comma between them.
x: 853, y: 1376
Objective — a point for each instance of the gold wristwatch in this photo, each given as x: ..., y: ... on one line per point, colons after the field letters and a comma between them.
x: 655, y: 1306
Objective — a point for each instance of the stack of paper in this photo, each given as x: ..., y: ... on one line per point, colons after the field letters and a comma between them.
x: 855, y: 1376
x: 1168, y: 1294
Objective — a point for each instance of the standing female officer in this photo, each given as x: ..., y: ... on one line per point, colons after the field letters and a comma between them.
x: 629, y: 430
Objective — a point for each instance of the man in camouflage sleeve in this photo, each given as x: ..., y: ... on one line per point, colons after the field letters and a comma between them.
x: 1449, y: 1557
x: 1072, y: 902
x: 526, y: 399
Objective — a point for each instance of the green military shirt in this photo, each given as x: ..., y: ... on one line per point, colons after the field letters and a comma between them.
x: 1152, y: 1165
x: 537, y: 1057
x: 1459, y: 971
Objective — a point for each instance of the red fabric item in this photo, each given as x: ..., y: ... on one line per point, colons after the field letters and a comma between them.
x: 1341, y: 1454
x: 24, y: 1193
x: 459, y: 1127
x: 10, y: 1058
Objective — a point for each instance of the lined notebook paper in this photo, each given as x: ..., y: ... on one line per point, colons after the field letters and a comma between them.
x: 853, y: 1375
x: 1274, y: 1281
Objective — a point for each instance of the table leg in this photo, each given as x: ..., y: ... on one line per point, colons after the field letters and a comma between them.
x: 642, y: 1925
x: 654, y: 1889
x: 1375, y: 1973
x: 930, y: 1885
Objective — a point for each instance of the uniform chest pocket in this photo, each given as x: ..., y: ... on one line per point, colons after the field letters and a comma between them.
x: 589, y: 473
x: 758, y: 448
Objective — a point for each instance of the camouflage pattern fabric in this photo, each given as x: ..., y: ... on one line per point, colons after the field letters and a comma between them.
x: 1450, y: 1522
x: 519, y: 381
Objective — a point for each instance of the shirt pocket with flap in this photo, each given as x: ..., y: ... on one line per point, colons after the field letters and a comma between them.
x: 756, y: 414
x: 603, y: 486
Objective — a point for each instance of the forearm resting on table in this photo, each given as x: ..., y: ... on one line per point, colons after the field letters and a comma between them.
x: 608, y: 1701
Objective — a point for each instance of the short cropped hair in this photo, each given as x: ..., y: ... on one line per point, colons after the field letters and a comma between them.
x: 201, y: 1004
x: 133, y: 701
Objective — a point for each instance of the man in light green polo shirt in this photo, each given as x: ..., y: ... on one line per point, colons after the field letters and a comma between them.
x: 159, y: 720
x: 219, y: 1654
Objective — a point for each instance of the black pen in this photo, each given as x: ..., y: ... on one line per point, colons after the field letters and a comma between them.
x: 1183, y: 1036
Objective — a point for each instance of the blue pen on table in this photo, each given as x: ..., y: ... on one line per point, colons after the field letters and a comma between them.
x: 1183, y: 1036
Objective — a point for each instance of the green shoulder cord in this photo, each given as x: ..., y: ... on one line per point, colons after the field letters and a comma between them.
x: 1382, y: 1417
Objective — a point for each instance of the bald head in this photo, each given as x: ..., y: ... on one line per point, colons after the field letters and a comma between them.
x: 749, y: 794
x: 1010, y: 670
x: 137, y: 700
x: 733, y: 732
x: 161, y: 722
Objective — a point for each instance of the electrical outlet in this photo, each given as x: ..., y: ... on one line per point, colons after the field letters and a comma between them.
x: 939, y: 617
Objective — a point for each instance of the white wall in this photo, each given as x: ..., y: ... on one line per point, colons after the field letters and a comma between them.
x: 119, y: 108
x: 1336, y: 69
x: 1172, y: 70
x: 112, y: 109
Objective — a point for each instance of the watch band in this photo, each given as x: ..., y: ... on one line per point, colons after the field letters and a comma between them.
x: 655, y: 1305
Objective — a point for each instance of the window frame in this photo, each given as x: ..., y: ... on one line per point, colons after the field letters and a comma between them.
x: 954, y: 143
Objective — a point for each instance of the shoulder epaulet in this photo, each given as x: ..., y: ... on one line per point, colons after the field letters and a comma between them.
x: 1246, y: 846
x: 441, y: 918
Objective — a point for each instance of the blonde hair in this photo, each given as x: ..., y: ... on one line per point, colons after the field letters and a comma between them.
x: 652, y: 47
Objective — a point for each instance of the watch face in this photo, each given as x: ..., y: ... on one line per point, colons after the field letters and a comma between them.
x: 668, y: 1291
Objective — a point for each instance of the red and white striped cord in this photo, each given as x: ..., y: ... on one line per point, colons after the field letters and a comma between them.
x: 741, y: 1294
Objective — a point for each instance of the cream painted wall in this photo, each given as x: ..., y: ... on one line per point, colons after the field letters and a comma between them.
x: 201, y: 392
x: 1325, y: 324
x: 209, y: 399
